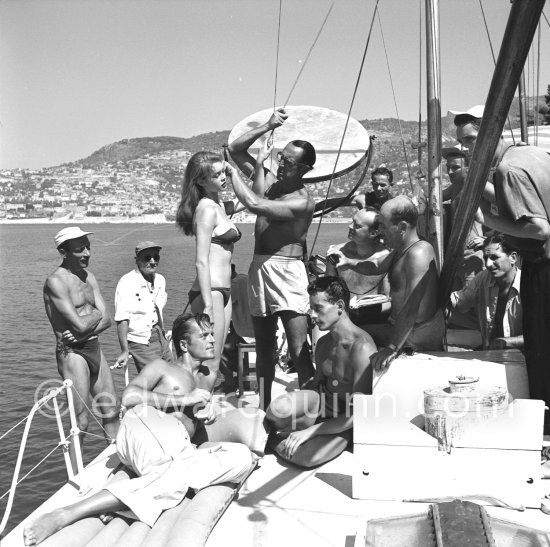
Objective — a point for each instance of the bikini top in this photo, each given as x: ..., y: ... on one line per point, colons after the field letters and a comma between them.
x: 230, y: 236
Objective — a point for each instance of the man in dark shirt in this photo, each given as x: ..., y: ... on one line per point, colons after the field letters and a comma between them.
x: 382, y: 182
x: 522, y: 192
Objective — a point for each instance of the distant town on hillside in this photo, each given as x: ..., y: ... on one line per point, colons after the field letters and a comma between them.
x: 141, y: 178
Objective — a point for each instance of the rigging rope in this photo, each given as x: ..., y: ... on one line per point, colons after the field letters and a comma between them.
x: 346, y: 126
x: 277, y: 55
x: 40, y: 405
x: 61, y: 443
x: 536, y: 113
x: 419, y: 88
x: 395, y: 104
x: 308, y: 54
x: 494, y: 62
x: 93, y: 416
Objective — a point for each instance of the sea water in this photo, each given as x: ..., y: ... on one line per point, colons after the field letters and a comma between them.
x: 27, y: 343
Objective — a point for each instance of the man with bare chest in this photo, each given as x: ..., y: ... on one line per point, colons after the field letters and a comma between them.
x: 165, y: 402
x: 364, y: 244
x: 77, y: 313
x: 313, y: 425
x: 415, y: 321
x: 277, y: 275
x: 181, y: 389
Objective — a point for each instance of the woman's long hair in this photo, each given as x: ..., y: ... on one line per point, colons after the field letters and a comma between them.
x: 197, y: 170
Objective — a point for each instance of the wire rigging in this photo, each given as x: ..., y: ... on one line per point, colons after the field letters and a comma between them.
x: 420, y: 83
x: 308, y: 54
x: 536, y: 113
x: 494, y: 62
x: 277, y: 56
x: 347, y: 120
x: 39, y: 463
x: 395, y: 103
x: 93, y: 415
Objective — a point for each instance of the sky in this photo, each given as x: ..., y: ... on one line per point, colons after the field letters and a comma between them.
x: 76, y: 75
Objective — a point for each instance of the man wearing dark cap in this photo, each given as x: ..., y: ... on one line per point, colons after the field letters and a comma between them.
x: 139, y: 299
x: 77, y: 313
x: 521, y: 182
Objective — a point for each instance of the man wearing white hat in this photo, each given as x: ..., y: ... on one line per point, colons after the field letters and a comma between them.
x: 139, y: 299
x: 77, y: 313
x: 522, y: 193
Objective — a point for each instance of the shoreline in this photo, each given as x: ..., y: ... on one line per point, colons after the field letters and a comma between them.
x: 135, y: 220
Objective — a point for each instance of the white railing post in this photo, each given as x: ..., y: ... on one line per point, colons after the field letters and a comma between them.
x: 53, y: 393
x: 75, y: 431
x: 64, y: 443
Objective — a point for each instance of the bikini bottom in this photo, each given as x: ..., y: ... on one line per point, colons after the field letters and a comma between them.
x: 226, y: 293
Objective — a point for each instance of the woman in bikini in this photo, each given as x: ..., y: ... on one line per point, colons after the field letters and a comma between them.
x: 201, y: 214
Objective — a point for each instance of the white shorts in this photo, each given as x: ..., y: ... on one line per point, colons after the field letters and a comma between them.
x: 277, y: 283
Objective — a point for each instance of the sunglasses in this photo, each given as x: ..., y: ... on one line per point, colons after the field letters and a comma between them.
x: 147, y: 257
x: 285, y: 161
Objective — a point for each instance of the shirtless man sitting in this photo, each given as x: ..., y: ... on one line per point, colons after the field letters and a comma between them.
x: 316, y: 421
x: 164, y: 404
x: 77, y: 313
x: 277, y: 275
x: 364, y: 244
x: 415, y: 321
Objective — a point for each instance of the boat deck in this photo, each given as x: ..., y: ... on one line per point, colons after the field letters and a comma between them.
x: 279, y: 504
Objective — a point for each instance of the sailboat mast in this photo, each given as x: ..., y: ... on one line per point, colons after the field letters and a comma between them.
x: 433, y: 88
x: 520, y: 29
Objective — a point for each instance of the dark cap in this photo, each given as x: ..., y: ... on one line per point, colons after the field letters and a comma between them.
x: 142, y: 245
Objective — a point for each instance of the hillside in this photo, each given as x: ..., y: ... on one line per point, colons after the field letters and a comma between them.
x: 387, y: 131
x: 131, y: 149
x: 143, y: 176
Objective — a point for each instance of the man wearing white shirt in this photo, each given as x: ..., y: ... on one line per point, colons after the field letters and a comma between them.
x: 139, y: 300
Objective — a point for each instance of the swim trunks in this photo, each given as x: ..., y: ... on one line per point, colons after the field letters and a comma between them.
x: 226, y: 293
x: 156, y: 446
x: 89, y: 350
x: 277, y: 283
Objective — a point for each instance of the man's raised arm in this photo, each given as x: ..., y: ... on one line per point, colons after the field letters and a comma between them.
x: 286, y: 209
x: 239, y: 147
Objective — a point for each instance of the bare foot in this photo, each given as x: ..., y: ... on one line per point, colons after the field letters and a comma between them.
x: 43, y: 527
x: 105, y: 518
